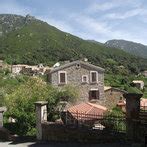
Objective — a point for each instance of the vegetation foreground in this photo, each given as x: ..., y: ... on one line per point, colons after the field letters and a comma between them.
x: 20, y: 92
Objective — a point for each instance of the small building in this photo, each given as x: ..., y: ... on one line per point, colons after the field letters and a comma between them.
x: 30, y: 70
x: 138, y: 83
x: 17, y: 69
x: 143, y: 103
x: 86, y: 113
x: 112, y: 96
x: 88, y: 78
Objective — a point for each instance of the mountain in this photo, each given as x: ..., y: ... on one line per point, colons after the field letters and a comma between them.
x: 95, y: 42
x: 12, y: 22
x: 133, y: 48
x: 28, y: 40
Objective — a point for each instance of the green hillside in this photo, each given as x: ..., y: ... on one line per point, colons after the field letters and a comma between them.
x: 37, y: 42
x: 133, y: 48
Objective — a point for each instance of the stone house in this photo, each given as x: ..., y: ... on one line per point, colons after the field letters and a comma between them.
x: 88, y: 78
x: 139, y: 84
x: 113, y: 96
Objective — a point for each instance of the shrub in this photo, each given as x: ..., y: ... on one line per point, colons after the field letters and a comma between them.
x: 69, y: 93
x: 20, y: 104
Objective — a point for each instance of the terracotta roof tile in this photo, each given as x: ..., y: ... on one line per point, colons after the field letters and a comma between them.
x: 86, y: 111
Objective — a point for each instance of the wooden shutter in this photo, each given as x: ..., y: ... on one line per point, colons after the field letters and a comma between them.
x: 62, y: 77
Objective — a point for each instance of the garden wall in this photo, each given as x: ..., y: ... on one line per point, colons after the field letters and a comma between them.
x: 59, y: 132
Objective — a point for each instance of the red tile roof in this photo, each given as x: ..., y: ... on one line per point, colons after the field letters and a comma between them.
x: 87, y: 111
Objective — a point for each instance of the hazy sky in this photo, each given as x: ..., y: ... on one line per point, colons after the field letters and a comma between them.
x: 99, y: 20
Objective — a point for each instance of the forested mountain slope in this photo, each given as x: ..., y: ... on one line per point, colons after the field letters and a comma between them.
x: 31, y: 41
x: 133, y: 48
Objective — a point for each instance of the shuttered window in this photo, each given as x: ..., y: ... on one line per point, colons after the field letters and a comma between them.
x: 94, y: 76
x: 62, y: 77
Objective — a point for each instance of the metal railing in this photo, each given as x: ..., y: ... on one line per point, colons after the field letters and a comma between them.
x: 95, y: 121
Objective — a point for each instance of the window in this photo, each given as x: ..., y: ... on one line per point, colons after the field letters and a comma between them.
x: 85, y: 79
x: 62, y: 77
x: 93, y: 76
x: 93, y: 94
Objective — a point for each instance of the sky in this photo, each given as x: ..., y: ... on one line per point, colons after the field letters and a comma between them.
x: 99, y: 20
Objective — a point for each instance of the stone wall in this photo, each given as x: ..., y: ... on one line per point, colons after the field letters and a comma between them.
x: 112, y: 97
x: 74, y: 78
x: 59, y: 132
x: 51, y: 131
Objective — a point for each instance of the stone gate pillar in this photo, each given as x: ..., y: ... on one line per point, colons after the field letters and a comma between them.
x: 41, y: 116
x: 132, y: 115
x: 2, y: 110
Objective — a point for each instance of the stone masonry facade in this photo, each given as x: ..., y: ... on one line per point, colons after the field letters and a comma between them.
x: 113, y: 96
x: 74, y: 73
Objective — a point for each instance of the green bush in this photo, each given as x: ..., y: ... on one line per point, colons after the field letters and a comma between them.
x: 20, y: 104
x: 114, y: 120
x: 69, y: 93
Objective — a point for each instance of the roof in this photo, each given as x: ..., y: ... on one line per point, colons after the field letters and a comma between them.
x: 19, y: 65
x: 87, y: 111
x: 114, y: 88
x: 87, y: 108
x: 107, y: 88
x: 137, y: 81
x: 77, y: 62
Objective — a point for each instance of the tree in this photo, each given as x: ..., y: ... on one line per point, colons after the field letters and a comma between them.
x: 21, y: 107
x: 69, y: 93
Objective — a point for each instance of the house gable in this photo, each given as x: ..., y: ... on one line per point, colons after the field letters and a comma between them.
x: 78, y: 63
